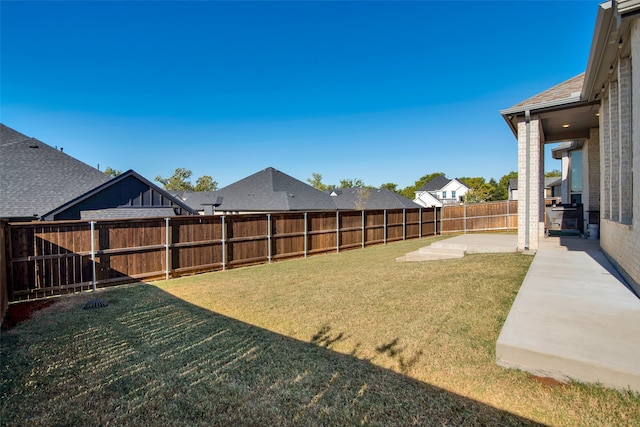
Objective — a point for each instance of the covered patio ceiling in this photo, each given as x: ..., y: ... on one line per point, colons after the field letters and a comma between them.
x: 560, y: 122
x: 570, y: 123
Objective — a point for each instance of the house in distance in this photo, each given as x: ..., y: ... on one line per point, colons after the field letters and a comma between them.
x: 40, y: 182
x: 440, y: 191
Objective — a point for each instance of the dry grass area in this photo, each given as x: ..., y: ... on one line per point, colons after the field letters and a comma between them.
x: 339, y: 339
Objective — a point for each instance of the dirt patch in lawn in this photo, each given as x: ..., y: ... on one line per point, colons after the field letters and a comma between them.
x: 19, y: 312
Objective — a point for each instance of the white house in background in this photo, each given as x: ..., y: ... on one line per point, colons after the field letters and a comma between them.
x: 440, y: 191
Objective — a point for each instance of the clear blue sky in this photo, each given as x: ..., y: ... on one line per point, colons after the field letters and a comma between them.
x: 378, y: 91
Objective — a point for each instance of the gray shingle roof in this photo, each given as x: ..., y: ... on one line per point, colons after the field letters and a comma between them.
x: 367, y: 198
x: 564, y: 91
x: 271, y: 191
x: 121, y: 213
x: 36, y: 178
x: 550, y: 181
x: 198, y: 200
x: 435, y: 184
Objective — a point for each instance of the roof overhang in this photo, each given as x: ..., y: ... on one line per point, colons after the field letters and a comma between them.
x: 609, y: 42
x: 562, y: 120
x: 603, y: 51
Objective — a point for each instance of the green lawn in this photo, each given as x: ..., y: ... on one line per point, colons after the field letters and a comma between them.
x: 339, y: 339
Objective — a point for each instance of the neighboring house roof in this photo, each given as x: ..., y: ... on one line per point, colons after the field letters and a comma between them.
x: 426, y: 199
x: 435, y: 184
x: 36, y: 178
x: 128, y: 195
x: 271, y: 191
x: 438, y: 183
x: 552, y: 181
x: 513, y: 183
x: 369, y: 198
x: 451, y: 185
x: 199, y: 200
x: 120, y: 213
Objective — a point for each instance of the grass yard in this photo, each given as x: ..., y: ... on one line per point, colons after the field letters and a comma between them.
x: 353, y: 338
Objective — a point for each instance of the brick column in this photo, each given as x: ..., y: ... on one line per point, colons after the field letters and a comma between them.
x: 530, y: 184
x: 592, y: 190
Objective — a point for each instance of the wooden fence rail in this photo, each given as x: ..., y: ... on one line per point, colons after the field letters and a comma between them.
x: 49, y: 258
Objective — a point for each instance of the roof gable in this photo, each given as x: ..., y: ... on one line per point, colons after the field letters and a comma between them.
x: 455, y: 185
x: 435, y: 184
x: 35, y: 178
x: 129, y: 191
x: 272, y: 190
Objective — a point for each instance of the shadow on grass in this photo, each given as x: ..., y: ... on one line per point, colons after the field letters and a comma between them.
x: 152, y: 359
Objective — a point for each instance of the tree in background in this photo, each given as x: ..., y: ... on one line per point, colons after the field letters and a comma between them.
x: 553, y: 173
x: 390, y: 186
x: 205, y: 183
x: 316, y: 182
x: 180, y: 181
x: 351, y: 183
x: 472, y: 183
x: 502, y: 189
x: 479, y: 190
x: 112, y: 172
x: 363, y: 196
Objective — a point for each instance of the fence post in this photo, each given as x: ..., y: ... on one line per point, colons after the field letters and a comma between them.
x: 404, y: 224
x: 306, y: 232
x: 337, y: 231
x: 166, y: 247
x: 93, y: 255
x: 506, y: 218
x: 420, y: 222
x: 464, y: 219
x: 435, y: 221
x: 441, y: 219
x: 385, y: 227
x: 363, y: 228
x: 269, y: 238
x: 224, y: 243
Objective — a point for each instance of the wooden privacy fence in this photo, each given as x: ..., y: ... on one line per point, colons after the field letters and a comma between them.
x: 49, y: 258
x: 480, y: 217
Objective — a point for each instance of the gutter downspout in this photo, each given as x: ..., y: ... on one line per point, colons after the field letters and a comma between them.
x: 527, y: 191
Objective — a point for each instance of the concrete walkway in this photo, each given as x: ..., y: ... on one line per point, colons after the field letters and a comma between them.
x: 573, y: 318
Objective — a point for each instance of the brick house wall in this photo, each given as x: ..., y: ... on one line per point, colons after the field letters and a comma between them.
x: 620, y: 159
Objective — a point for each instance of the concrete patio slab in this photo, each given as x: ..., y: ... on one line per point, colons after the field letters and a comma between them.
x: 573, y: 318
x: 480, y: 243
x: 458, y: 246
